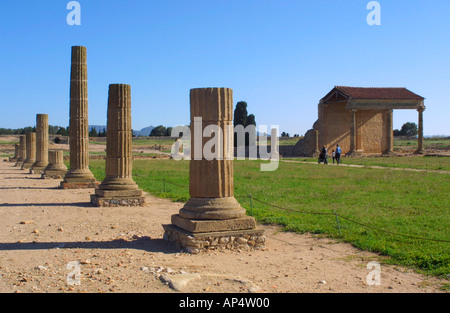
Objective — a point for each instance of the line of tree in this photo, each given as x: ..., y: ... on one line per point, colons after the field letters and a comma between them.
x: 160, y: 131
x: 52, y: 130
x: 94, y: 133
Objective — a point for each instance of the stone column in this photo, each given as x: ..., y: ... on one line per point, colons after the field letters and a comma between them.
x: 420, y: 149
x: 79, y: 175
x: 22, y: 150
x: 16, y: 154
x: 354, y: 136
x: 41, y: 144
x: 212, y: 218
x: 389, y: 133
x: 56, y: 168
x: 118, y: 187
x: 30, y: 151
x: 316, y: 152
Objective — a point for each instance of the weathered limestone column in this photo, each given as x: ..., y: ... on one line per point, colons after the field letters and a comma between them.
x: 41, y: 144
x: 79, y: 175
x: 56, y: 168
x: 30, y: 151
x: 420, y: 149
x: 212, y: 218
x: 389, y: 133
x: 118, y: 187
x: 22, y: 150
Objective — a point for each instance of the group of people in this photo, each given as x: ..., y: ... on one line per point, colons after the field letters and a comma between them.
x: 336, y: 154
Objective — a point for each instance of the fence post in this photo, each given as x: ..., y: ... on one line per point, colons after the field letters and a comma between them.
x: 337, y: 222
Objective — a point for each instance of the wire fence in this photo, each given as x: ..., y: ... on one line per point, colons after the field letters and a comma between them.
x: 166, y: 182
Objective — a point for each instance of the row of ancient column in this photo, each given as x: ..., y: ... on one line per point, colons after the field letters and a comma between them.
x: 32, y: 152
x: 212, y: 218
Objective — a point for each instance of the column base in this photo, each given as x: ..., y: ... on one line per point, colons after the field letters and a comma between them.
x: 27, y: 165
x: 206, y: 226
x: 194, y: 243
x: 388, y: 154
x: 78, y: 184
x: 117, y: 201
x: 53, y: 174
x: 37, y: 170
x: 419, y: 151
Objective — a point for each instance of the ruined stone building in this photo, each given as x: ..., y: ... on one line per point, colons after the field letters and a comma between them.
x: 360, y: 120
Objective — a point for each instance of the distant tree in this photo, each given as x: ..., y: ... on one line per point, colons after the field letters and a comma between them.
x: 240, y: 114
x: 250, y: 120
x: 93, y: 133
x: 102, y: 133
x: 409, y: 129
x: 397, y: 132
x: 63, y: 131
x: 169, y: 131
x: 158, y: 131
x: 241, y: 117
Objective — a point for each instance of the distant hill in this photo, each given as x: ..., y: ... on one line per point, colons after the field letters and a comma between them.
x: 143, y: 132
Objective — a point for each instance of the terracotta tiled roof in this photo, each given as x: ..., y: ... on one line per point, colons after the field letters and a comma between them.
x: 385, y: 93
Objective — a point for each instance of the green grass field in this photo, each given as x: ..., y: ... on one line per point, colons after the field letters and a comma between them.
x: 413, y: 204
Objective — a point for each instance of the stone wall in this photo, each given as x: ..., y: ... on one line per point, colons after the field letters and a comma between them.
x: 372, y: 129
x: 334, y: 127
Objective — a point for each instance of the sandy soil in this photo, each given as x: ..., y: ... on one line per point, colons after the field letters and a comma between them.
x: 43, y: 229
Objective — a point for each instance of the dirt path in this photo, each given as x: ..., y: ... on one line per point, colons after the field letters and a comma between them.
x: 43, y: 230
x: 373, y: 166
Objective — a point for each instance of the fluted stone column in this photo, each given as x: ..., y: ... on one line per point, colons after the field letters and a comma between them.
x: 79, y: 175
x: 22, y: 150
x: 30, y: 151
x: 41, y: 144
x: 56, y: 168
x: 212, y: 212
x: 118, y: 187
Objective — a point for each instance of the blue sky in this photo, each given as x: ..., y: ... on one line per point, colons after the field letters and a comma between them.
x: 281, y: 57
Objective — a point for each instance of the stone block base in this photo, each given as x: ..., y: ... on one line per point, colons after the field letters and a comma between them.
x: 37, y: 170
x: 117, y: 201
x: 53, y: 174
x: 193, y: 243
x: 78, y: 185
x: 27, y: 166
x: 205, y: 226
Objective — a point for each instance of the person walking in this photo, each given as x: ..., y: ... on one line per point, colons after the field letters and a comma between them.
x: 333, y: 155
x: 338, y: 154
x: 325, y: 154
